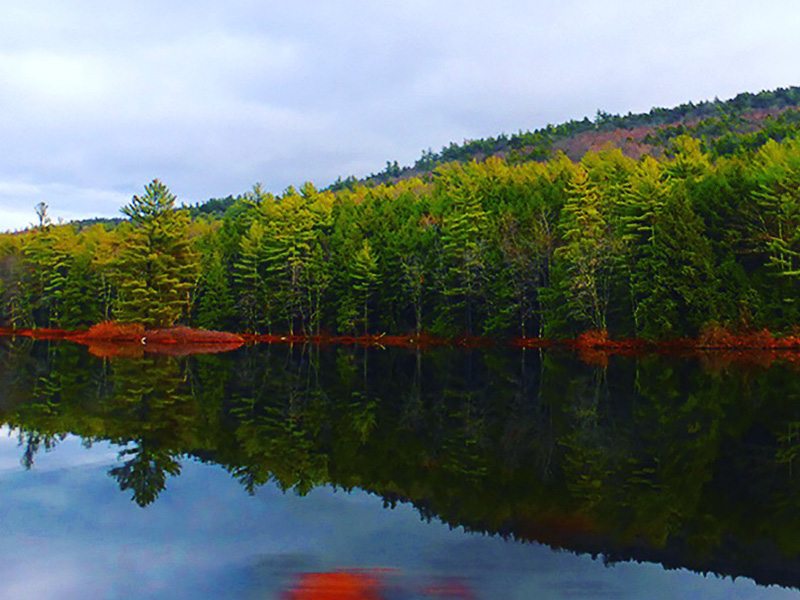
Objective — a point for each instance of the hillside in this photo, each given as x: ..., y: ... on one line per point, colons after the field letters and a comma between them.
x: 724, y: 126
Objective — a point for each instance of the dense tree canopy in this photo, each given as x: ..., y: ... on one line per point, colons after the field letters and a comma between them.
x: 655, y: 247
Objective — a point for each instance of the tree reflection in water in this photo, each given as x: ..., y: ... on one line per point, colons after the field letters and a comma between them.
x: 684, y: 461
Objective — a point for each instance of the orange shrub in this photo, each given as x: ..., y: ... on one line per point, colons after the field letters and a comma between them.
x: 113, y: 331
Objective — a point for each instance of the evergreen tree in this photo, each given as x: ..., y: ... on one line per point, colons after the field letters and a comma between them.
x: 587, y: 254
x: 364, y: 277
x: 48, y: 252
x: 16, y: 308
x: 215, y: 306
x: 417, y: 242
x: 464, y: 243
x: 644, y: 204
x: 287, y: 246
x: 657, y: 248
x: 775, y: 225
x: 81, y: 298
x: 249, y: 278
x: 156, y: 269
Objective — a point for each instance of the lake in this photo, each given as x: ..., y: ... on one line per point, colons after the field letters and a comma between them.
x: 291, y: 471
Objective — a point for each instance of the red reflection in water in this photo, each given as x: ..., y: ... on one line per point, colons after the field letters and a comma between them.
x: 372, y: 584
x: 341, y: 585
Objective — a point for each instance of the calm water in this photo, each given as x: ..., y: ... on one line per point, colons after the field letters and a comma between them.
x: 273, y: 472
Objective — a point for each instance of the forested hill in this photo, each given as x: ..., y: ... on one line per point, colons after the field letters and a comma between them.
x: 724, y: 126
x: 675, y: 244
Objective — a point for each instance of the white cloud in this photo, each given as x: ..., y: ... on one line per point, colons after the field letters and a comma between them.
x: 98, y: 99
x: 66, y: 202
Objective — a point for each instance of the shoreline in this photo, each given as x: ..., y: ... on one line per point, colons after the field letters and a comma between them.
x: 113, y: 339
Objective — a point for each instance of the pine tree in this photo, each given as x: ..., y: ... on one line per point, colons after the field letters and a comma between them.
x: 671, y: 263
x: 287, y: 246
x: 16, y: 302
x: 778, y: 199
x: 215, y: 306
x: 643, y: 204
x: 416, y: 243
x: 50, y: 252
x: 157, y: 267
x: 365, y: 278
x: 586, y: 254
x: 464, y: 243
x: 249, y: 279
x: 317, y: 281
x: 775, y: 227
x: 81, y: 298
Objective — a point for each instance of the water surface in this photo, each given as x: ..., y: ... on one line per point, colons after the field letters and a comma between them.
x: 444, y: 474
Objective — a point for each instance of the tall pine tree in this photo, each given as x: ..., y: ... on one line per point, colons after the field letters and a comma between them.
x: 156, y: 268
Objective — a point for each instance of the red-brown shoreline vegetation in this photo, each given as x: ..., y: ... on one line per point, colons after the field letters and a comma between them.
x: 131, y: 340
x: 718, y: 345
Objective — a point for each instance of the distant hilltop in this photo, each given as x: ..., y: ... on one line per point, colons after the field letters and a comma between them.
x: 745, y: 121
x: 719, y: 123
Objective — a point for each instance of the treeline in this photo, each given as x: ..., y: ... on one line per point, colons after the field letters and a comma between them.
x: 725, y: 116
x: 651, y: 248
x: 731, y: 133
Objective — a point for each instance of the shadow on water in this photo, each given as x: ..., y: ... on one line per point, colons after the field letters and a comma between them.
x: 684, y: 462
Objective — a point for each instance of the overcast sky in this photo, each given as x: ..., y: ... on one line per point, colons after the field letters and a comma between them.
x: 98, y: 98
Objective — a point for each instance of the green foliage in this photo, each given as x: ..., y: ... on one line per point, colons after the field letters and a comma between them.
x: 656, y: 247
x: 589, y: 253
x: 778, y: 198
x: 156, y: 268
x: 287, y: 248
x: 464, y: 247
x: 725, y: 126
x: 364, y: 279
x: 15, y: 290
x: 249, y: 279
x: 775, y: 224
x: 215, y: 307
x: 671, y: 266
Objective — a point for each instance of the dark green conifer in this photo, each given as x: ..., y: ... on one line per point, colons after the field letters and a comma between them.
x: 157, y: 268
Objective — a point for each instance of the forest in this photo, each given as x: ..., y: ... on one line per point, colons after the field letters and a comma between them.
x: 656, y: 248
x: 724, y: 126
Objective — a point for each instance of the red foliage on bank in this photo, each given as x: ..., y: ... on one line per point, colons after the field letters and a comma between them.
x: 110, y: 331
x: 109, y: 339
x: 38, y: 334
x: 189, y: 336
x: 711, y: 338
x: 714, y: 337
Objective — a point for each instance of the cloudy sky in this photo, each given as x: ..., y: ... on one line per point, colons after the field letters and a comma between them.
x: 98, y: 98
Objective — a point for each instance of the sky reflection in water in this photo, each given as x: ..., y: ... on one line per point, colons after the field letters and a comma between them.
x: 674, y: 461
x: 68, y: 532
